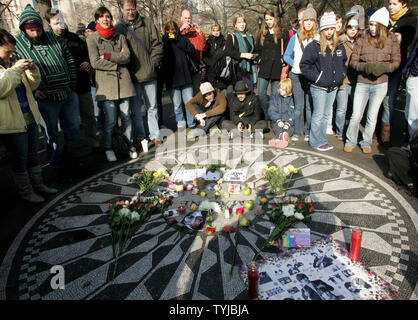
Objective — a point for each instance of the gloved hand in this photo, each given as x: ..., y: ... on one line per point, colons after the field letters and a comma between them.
x: 379, y: 70
x: 369, y: 67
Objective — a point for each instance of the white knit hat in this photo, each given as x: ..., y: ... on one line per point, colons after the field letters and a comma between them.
x: 328, y: 20
x: 381, y: 16
x: 206, y: 87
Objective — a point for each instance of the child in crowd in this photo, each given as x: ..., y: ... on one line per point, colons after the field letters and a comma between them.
x: 281, y: 112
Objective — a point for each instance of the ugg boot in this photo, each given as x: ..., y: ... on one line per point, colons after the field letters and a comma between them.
x: 385, y: 134
x: 22, y: 182
x: 35, y: 174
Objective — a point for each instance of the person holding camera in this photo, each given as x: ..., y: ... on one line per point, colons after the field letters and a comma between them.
x: 244, y: 112
x: 20, y: 118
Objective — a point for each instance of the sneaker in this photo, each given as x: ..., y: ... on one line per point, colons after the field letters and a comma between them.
x: 325, y: 147
x: 214, y: 131
x: 133, y: 154
x: 307, y: 137
x: 295, y: 137
x: 281, y: 144
x: 366, y: 150
x: 330, y: 132
x: 192, y: 134
x: 348, y: 149
x: 339, y: 138
x: 272, y: 142
x: 110, y: 155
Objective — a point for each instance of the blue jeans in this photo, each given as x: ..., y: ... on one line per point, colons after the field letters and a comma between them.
x: 67, y: 114
x: 322, y: 105
x: 390, y: 100
x: 374, y: 94
x: 411, y: 105
x: 111, y: 109
x: 262, y: 93
x: 179, y: 97
x: 343, y: 97
x: 146, y: 93
x: 23, y: 147
x: 303, y: 102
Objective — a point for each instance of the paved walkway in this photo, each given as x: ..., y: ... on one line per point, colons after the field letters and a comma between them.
x: 162, y: 262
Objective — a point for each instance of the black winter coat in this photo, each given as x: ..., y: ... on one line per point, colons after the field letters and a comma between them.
x: 406, y: 26
x: 249, y: 109
x: 212, y: 57
x: 79, y: 51
x: 270, y: 56
x: 176, y: 70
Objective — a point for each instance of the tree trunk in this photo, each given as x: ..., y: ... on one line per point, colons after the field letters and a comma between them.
x: 44, y: 6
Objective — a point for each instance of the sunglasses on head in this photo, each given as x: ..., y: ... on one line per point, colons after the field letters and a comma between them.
x: 352, y: 26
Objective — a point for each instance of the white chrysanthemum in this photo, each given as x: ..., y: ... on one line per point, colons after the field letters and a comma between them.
x: 134, y: 216
x: 288, y: 210
x: 299, y: 216
x: 125, y: 212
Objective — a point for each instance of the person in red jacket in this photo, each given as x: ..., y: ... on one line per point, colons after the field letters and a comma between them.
x: 193, y: 32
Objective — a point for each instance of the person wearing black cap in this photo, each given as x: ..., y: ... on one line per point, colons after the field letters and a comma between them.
x: 90, y: 28
x: 244, y: 112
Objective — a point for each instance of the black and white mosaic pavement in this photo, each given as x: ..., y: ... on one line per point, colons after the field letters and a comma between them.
x: 162, y: 262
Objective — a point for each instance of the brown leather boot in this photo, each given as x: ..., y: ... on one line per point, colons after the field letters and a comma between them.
x: 385, y: 134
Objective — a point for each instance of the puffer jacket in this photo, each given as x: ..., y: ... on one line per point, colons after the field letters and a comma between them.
x: 281, y: 108
x: 143, y: 65
x: 364, y: 52
x: 113, y: 81
x: 11, y: 116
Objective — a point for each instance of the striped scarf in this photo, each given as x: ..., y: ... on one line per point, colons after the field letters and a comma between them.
x: 57, y: 66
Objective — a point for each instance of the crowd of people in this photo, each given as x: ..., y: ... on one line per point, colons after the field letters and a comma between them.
x: 106, y: 71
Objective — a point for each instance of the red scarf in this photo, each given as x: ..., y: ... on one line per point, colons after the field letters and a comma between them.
x: 105, y: 33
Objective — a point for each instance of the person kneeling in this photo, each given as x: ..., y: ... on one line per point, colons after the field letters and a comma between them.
x: 207, y: 107
x: 281, y: 112
x: 244, y: 112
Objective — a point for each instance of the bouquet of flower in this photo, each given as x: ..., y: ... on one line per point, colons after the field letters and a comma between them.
x: 148, y: 179
x: 286, y: 212
x: 277, y: 177
x: 126, y: 217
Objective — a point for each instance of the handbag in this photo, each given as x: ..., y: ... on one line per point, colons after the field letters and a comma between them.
x: 285, y: 67
x: 192, y: 64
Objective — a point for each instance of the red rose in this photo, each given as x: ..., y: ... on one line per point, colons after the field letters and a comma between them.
x: 311, y: 208
x: 150, y: 207
x: 240, y: 211
x: 209, y: 231
x: 228, y: 229
x: 300, y: 205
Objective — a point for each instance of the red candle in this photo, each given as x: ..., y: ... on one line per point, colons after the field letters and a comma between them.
x: 253, y: 281
x: 181, y: 209
x: 355, y: 244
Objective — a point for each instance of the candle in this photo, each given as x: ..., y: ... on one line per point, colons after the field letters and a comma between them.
x: 253, y: 281
x: 355, y: 244
x: 181, y: 209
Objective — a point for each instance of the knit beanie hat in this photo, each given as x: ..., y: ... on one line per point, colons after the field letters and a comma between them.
x: 206, y: 87
x: 29, y: 15
x: 309, y: 13
x: 91, y: 26
x: 381, y: 16
x: 356, y: 11
x: 328, y: 20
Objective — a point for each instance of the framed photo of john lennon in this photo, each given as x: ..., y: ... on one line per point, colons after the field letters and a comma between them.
x: 322, y: 272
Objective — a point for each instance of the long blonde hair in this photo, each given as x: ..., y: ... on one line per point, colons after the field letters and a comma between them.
x: 323, y: 42
x: 264, y: 30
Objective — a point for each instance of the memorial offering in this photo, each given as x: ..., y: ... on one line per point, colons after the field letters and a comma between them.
x: 147, y: 180
x: 322, y: 272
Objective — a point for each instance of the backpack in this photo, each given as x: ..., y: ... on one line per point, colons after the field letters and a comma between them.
x: 120, y: 145
x: 78, y: 158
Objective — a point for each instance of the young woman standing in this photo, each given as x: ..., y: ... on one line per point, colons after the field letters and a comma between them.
x: 301, y: 94
x: 109, y: 54
x: 240, y: 47
x: 376, y: 53
x: 323, y: 64
x: 269, y: 44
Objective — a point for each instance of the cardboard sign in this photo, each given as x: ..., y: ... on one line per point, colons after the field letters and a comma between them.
x: 235, y: 175
x: 188, y: 174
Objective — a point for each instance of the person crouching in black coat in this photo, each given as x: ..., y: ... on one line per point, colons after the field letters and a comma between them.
x: 244, y: 112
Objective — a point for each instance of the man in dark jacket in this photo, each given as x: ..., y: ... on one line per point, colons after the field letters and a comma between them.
x: 146, y: 48
x: 244, y: 112
x: 78, y: 49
